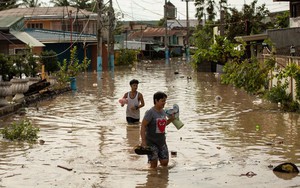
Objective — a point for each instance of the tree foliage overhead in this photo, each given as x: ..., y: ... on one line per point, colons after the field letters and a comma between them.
x: 59, y: 3
x: 8, y: 4
x: 282, y: 20
x: 251, y: 20
x: 31, y: 3
x: 81, y: 4
x: 208, y: 7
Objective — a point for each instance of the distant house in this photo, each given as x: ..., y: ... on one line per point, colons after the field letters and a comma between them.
x: 149, y: 37
x: 294, y: 12
x: 64, y: 18
x: 155, y: 37
x: 283, y: 39
x: 15, y: 41
x: 59, y: 28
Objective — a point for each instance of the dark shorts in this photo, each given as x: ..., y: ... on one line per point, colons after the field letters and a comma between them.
x: 159, y: 153
x: 131, y: 120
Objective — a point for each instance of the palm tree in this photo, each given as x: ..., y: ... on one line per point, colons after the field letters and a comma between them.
x: 31, y: 3
x: 81, y: 4
x: 210, y: 8
x: 59, y: 3
x: 8, y: 4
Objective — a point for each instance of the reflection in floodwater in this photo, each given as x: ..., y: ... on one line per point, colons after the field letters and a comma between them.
x: 156, y: 178
x: 226, y: 133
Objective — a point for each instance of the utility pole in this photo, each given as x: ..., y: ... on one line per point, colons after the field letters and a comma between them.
x: 187, y: 49
x: 111, y: 41
x: 71, y: 28
x: 222, y: 14
x: 99, y: 35
x: 166, y: 33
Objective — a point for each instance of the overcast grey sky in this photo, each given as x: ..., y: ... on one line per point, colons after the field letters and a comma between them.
x: 134, y: 10
x: 153, y: 9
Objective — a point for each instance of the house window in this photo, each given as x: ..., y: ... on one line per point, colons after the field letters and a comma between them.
x: 35, y: 26
x: 295, y: 9
x: 76, y: 27
x: 21, y: 51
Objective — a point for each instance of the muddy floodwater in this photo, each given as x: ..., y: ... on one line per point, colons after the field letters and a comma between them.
x: 230, y: 139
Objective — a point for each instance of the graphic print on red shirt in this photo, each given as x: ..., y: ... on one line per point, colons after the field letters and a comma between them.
x: 161, y: 124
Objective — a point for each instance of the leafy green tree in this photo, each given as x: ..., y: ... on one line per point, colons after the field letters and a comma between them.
x: 8, y: 4
x: 221, y: 51
x: 50, y: 61
x: 32, y: 65
x: 161, y: 22
x: 251, y: 20
x: 19, y: 64
x: 282, y: 20
x: 7, y: 70
x: 203, y: 36
x: 250, y: 74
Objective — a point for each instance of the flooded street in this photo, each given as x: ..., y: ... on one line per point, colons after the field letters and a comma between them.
x: 226, y: 135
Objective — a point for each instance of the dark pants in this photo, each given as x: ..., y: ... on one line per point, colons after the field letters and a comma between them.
x: 131, y: 120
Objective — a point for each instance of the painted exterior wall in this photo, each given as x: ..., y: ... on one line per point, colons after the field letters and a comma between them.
x: 294, y: 13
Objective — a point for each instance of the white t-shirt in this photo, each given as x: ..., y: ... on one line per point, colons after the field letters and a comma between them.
x: 133, y: 102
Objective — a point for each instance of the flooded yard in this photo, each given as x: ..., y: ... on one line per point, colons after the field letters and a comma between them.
x: 227, y: 135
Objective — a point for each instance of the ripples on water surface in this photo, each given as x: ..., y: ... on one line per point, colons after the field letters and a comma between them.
x: 227, y: 133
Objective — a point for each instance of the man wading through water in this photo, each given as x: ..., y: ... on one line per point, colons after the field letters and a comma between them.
x: 135, y: 101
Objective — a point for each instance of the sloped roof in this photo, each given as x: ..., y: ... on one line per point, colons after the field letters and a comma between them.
x: 47, y: 12
x: 27, y: 39
x: 7, y: 21
x: 155, y: 32
x: 50, y: 36
x: 182, y: 23
x: 8, y: 38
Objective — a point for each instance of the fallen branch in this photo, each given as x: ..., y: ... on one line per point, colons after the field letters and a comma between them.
x: 66, y: 168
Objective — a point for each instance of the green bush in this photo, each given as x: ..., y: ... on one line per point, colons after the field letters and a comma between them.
x: 50, y: 60
x: 7, y: 70
x: 250, y: 75
x: 21, y: 131
x: 71, y: 68
x: 127, y: 57
x: 278, y: 94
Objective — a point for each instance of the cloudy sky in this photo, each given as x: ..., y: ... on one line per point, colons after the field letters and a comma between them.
x: 134, y: 10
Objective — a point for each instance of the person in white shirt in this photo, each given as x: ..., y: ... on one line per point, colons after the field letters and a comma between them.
x: 135, y: 101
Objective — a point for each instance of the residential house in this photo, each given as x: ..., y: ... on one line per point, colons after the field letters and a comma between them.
x: 286, y: 42
x: 59, y: 28
x: 294, y: 12
x: 155, y: 37
x: 14, y: 41
x: 149, y: 37
x: 283, y: 39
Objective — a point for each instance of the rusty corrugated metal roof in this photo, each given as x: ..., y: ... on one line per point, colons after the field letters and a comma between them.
x: 156, y: 32
x: 45, y: 11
